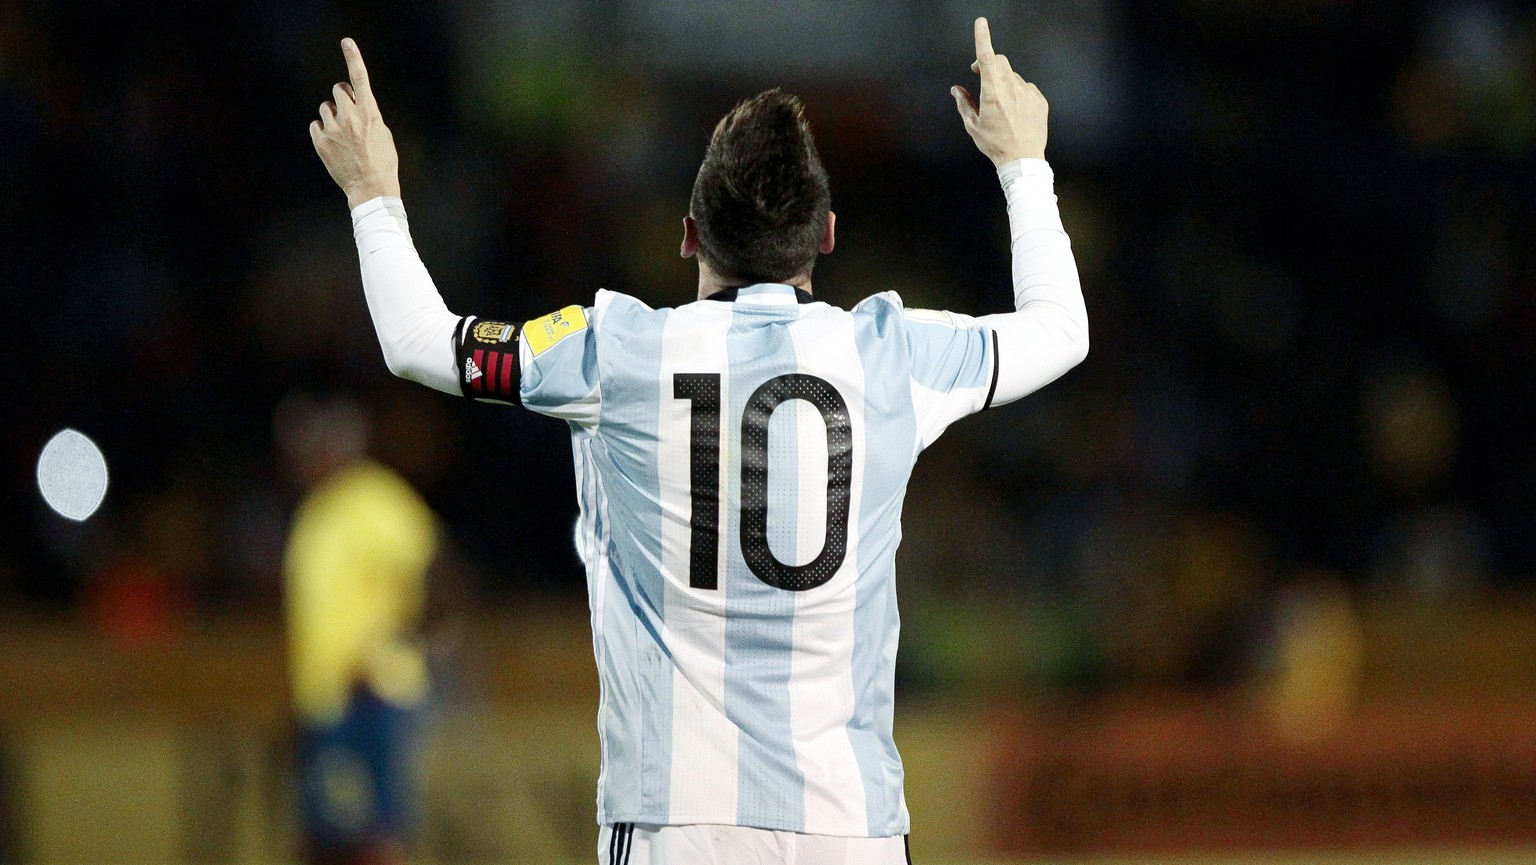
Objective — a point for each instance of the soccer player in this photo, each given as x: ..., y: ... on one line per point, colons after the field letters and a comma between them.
x: 355, y: 584
x: 741, y: 462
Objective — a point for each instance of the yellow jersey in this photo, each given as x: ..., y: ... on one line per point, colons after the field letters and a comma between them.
x: 355, y: 578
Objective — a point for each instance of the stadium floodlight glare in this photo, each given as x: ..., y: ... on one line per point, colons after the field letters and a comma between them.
x: 72, y: 475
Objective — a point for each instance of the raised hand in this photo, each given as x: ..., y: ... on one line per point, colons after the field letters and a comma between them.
x: 351, y: 138
x: 1009, y: 122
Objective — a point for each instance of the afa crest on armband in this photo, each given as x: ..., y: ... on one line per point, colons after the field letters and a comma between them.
x: 492, y: 331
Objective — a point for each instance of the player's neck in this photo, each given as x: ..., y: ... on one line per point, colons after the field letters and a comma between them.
x: 711, y: 283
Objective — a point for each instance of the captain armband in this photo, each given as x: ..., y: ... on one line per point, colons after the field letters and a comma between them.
x: 486, y: 354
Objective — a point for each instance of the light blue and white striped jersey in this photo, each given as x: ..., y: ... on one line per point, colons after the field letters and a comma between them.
x: 741, y: 464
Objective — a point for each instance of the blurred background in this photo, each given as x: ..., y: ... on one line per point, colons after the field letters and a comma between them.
x: 1257, y: 578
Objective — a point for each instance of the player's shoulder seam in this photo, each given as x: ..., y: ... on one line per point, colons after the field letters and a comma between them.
x: 890, y: 303
x: 932, y: 316
x: 885, y: 299
x: 619, y: 301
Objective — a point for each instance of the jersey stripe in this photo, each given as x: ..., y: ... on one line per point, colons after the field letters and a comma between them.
x: 620, y: 636
x: 876, y: 622
x: 759, y: 618
x: 597, y: 594
x: 822, y: 686
x: 704, y: 741
x: 630, y: 418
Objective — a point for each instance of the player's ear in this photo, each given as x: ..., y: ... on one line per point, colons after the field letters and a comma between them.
x: 829, y: 239
x: 690, y: 238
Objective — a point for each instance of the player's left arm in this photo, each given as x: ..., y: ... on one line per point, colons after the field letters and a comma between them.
x: 1047, y: 334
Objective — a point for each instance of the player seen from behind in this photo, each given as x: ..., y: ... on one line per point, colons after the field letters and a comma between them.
x: 741, y: 462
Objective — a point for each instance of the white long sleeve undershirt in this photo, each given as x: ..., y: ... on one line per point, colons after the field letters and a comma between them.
x: 1046, y: 335
x: 414, y: 326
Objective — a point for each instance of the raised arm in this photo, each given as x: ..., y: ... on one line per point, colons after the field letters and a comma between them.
x: 1048, y: 333
x: 414, y: 326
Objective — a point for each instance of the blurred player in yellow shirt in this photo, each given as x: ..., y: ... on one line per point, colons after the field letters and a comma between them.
x: 355, y: 573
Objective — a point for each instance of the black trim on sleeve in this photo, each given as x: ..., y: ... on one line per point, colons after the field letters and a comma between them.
x: 458, y: 330
x: 991, y: 391
x: 485, y: 353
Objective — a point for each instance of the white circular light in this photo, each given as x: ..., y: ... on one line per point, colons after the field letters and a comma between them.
x: 72, y: 475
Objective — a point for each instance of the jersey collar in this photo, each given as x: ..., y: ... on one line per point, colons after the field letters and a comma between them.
x: 763, y: 292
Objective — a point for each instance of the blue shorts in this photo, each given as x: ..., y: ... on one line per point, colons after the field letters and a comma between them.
x: 355, y: 776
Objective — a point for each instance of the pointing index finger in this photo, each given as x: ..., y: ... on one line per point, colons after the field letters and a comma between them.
x: 356, y: 71
x: 983, y: 41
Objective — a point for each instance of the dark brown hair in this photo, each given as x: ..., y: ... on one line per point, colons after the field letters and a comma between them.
x: 761, y: 197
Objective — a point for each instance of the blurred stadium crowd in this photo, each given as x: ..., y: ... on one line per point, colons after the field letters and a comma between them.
x: 1304, y: 230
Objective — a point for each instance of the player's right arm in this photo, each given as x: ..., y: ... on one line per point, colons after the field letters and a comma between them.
x: 421, y: 339
x: 414, y: 326
x: 542, y: 364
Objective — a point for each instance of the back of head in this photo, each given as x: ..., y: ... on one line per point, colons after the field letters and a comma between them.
x: 319, y: 432
x: 761, y: 198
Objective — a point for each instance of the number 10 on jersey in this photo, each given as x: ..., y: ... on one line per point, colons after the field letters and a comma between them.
x: 702, y: 390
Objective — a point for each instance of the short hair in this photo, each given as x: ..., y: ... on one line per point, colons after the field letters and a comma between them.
x: 761, y: 197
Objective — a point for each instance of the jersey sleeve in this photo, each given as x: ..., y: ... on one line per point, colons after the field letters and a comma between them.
x: 954, y: 368
x: 547, y: 364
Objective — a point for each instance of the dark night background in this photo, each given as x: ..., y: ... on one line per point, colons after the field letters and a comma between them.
x: 1304, y: 231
